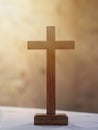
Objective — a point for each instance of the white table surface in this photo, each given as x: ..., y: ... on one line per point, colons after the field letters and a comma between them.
x: 12, y: 118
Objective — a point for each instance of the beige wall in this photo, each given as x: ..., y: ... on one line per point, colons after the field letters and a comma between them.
x: 22, y: 72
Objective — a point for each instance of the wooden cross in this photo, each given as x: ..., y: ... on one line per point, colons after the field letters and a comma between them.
x: 51, y: 118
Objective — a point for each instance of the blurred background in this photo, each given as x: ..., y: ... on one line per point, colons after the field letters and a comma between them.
x: 23, y: 72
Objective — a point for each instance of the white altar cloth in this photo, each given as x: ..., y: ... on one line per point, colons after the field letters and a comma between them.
x: 13, y: 118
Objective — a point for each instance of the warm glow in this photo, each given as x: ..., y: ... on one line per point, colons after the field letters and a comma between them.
x: 21, y: 21
x: 22, y: 72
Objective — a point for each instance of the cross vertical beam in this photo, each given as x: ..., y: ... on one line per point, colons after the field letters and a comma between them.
x: 50, y: 71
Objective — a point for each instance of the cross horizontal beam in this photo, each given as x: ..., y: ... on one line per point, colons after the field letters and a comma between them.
x: 57, y: 45
x: 64, y: 44
x: 37, y: 45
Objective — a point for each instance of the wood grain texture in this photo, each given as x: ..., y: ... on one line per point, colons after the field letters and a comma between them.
x: 57, y: 119
x: 51, y: 71
x: 51, y: 45
x: 37, y: 45
x: 50, y: 81
x: 65, y: 45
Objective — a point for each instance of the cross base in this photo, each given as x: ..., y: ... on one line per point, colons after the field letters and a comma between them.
x: 47, y: 119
